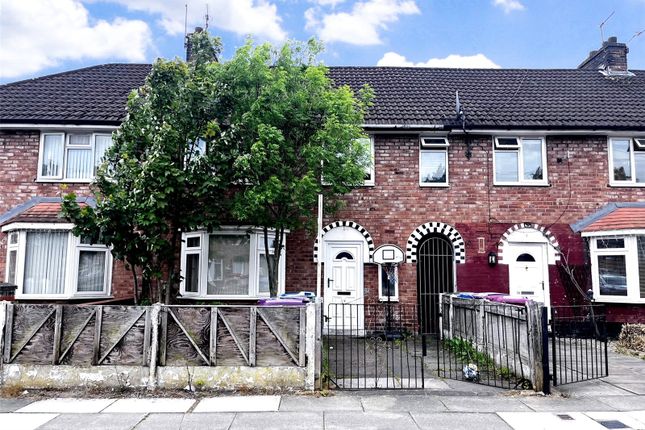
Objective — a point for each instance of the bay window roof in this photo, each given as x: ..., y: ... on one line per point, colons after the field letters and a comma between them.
x: 39, y: 210
x: 613, y: 217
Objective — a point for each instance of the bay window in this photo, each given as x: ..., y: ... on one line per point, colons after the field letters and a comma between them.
x: 230, y: 263
x: 618, y: 267
x: 627, y: 161
x: 519, y: 161
x: 48, y: 261
x: 71, y: 156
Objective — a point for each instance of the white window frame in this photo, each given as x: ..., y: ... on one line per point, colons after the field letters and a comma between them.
x: 256, y: 252
x: 66, y: 147
x: 371, y: 170
x: 610, y: 151
x: 630, y: 251
x: 381, y: 296
x: 74, y: 246
x: 544, y: 182
x: 11, y: 247
x: 434, y: 148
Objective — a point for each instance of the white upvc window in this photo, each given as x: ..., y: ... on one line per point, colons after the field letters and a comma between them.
x: 627, y: 161
x: 227, y: 264
x: 369, y: 171
x: 618, y: 268
x: 71, y: 157
x: 388, y: 283
x: 519, y: 161
x: 433, y: 161
x: 46, y: 261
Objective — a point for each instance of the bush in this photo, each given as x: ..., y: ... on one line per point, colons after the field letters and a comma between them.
x: 632, y: 336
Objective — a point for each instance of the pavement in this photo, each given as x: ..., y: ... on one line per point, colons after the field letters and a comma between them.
x: 614, y: 402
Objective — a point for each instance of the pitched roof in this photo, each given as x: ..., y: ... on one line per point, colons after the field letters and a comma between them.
x: 94, y: 95
x: 408, y: 96
x: 613, y: 216
x: 40, y: 209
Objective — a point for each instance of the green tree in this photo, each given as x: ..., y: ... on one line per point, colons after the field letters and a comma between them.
x: 157, y: 180
x: 296, y: 134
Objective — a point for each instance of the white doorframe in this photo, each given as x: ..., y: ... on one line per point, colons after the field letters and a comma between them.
x: 515, y: 249
x: 332, y: 248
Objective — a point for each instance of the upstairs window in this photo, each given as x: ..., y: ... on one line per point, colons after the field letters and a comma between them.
x: 433, y: 161
x: 369, y: 171
x: 519, y: 161
x: 71, y: 156
x: 627, y: 161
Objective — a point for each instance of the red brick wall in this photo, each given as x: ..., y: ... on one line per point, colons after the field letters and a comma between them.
x: 396, y: 205
x: 18, y: 172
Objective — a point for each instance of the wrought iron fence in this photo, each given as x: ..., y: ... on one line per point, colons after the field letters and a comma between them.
x: 372, y: 346
x: 578, y: 344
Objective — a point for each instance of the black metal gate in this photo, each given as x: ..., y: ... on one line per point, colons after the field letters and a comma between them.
x: 578, y: 344
x: 435, y: 275
x: 372, y: 346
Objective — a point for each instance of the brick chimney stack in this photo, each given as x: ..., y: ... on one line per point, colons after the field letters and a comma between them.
x: 611, y: 57
x: 188, y: 44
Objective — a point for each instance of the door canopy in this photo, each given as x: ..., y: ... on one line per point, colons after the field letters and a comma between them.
x: 439, y: 228
x: 527, y: 232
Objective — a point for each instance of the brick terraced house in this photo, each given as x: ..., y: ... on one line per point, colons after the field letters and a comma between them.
x: 524, y: 173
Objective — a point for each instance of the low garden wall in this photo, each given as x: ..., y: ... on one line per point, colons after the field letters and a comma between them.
x: 199, y: 347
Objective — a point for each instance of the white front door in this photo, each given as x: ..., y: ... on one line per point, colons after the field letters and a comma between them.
x: 344, y: 285
x: 528, y: 271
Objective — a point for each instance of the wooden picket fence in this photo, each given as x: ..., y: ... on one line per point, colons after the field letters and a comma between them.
x: 122, y: 335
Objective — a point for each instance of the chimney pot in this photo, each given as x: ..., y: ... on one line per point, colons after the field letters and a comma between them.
x: 198, y: 29
x: 612, y: 39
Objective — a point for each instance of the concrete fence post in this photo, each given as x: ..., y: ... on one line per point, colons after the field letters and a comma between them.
x: 534, y: 323
x: 154, y: 346
x: 310, y: 346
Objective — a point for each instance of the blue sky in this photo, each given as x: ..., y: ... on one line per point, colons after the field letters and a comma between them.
x: 39, y: 37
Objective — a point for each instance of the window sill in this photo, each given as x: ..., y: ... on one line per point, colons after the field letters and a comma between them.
x: 63, y: 181
x: 385, y: 300
x: 626, y: 185
x: 62, y: 296
x: 195, y: 297
x: 521, y: 184
x: 618, y: 300
x: 437, y: 185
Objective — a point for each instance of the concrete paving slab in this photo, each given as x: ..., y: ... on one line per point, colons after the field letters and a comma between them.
x: 278, y: 421
x: 484, y: 404
x: 161, y: 421
x: 239, y: 404
x: 624, y: 403
x: 398, y: 403
x: 93, y: 422
x: 473, y: 387
x: 312, y: 404
x: 638, y: 415
x: 206, y: 421
x: 68, y: 406
x: 590, y: 388
x: 459, y: 421
x: 573, y: 404
x: 150, y: 405
x: 550, y: 421
x: 24, y: 421
x: 622, y: 417
x: 636, y: 388
x: 10, y: 405
x: 369, y: 421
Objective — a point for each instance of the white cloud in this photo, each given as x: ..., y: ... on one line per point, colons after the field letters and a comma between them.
x: 331, y: 3
x: 453, y: 61
x: 509, y: 5
x: 36, y: 34
x: 362, y: 24
x: 257, y: 17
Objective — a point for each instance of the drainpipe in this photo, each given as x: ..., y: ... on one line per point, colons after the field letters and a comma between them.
x: 320, y: 247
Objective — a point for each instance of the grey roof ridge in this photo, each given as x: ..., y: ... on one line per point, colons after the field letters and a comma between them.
x: 23, y: 207
x: 71, y: 72
x: 577, y: 227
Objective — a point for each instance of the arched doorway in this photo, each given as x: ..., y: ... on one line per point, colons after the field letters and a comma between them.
x: 435, y: 275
